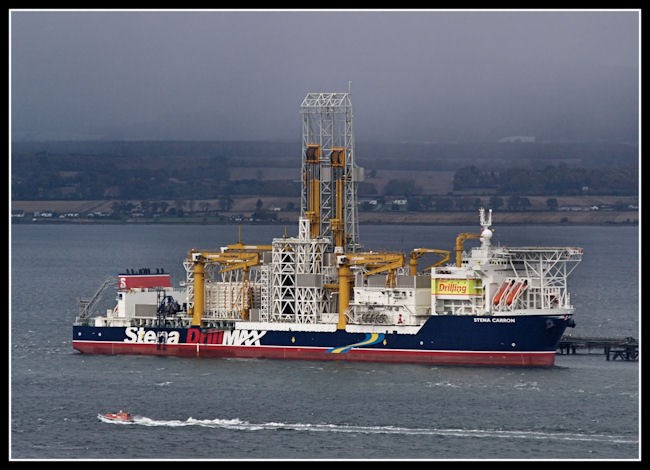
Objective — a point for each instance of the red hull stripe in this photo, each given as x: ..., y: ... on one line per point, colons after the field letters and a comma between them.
x: 492, y: 358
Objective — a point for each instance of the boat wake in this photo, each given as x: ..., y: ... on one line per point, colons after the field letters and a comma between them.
x: 240, y: 425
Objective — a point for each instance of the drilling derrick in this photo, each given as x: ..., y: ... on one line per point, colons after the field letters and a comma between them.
x: 300, y: 284
x: 329, y: 175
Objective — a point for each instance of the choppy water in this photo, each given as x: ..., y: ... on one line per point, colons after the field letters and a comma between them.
x: 584, y: 408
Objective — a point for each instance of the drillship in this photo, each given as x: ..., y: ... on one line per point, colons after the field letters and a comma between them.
x: 319, y: 296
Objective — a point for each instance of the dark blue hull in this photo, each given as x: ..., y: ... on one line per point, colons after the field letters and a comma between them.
x: 460, y: 340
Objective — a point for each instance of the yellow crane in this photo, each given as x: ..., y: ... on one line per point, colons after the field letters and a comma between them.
x: 243, y: 247
x: 229, y: 261
x: 378, y: 262
x: 417, y: 253
x: 460, y: 239
x: 375, y: 263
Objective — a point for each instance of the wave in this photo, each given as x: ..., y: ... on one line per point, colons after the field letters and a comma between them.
x: 241, y: 425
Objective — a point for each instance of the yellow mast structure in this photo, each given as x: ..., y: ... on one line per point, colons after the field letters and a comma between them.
x: 337, y: 160
x: 312, y: 182
x: 345, y: 280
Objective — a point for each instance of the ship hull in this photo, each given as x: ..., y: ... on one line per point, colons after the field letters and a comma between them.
x: 442, y: 340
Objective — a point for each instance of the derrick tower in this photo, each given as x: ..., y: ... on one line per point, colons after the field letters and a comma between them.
x: 329, y: 174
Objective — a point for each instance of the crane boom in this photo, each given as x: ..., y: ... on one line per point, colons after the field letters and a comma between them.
x: 243, y: 247
x: 459, y: 245
x: 378, y: 263
x: 419, y: 252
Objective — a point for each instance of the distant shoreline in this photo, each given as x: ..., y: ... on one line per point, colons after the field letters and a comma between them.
x: 506, y: 218
x: 596, y: 218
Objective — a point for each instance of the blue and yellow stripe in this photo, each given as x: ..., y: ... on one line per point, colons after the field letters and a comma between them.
x: 371, y: 338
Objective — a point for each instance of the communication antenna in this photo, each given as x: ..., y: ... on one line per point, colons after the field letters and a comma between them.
x: 485, y: 223
x: 486, y: 233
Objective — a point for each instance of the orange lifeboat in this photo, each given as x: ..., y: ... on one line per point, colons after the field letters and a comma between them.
x: 502, y: 290
x: 516, y: 291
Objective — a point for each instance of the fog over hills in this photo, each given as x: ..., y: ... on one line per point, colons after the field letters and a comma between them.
x: 417, y: 76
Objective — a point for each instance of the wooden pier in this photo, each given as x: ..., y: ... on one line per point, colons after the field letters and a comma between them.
x: 625, y: 349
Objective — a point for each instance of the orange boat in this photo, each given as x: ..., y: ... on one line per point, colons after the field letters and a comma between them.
x: 516, y: 291
x: 502, y: 290
x: 122, y: 416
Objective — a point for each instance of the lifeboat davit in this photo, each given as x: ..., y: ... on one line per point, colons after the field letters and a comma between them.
x: 121, y: 416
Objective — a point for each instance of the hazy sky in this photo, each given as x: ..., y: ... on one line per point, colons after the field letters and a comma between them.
x: 241, y: 75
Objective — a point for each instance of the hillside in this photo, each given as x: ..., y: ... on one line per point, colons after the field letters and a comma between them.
x: 221, y: 181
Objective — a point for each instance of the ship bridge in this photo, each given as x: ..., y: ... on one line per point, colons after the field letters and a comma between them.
x: 494, y: 280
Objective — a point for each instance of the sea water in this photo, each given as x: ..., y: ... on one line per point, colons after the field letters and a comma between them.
x: 583, y: 408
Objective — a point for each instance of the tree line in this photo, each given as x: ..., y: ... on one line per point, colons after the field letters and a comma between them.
x: 560, y: 180
x: 99, y: 177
